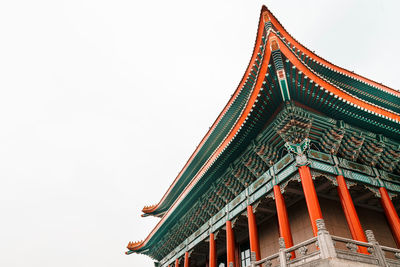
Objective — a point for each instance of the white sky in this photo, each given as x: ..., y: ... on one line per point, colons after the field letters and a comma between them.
x: 102, y: 103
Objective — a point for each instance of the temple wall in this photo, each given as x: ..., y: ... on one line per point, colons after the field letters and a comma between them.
x: 376, y: 221
x: 269, y: 233
x: 335, y: 222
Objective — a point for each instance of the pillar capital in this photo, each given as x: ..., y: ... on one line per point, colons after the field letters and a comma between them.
x: 298, y: 148
x: 302, y: 160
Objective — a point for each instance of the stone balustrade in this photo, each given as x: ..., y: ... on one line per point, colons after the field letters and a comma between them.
x: 324, y: 251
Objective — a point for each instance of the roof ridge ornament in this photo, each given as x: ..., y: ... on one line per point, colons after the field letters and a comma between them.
x: 266, y: 17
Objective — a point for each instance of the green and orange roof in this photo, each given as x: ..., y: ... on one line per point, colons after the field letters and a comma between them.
x: 280, y: 70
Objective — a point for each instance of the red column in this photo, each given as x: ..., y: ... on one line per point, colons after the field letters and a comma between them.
x: 177, y: 263
x: 350, y: 213
x: 186, y: 259
x: 253, y: 234
x: 237, y: 258
x: 283, y: 219
x: 391, y: 214
x: 230, y: 244
x: 314, y: 209
x: 212, y: 254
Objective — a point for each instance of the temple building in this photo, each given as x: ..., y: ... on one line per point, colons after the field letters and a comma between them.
x: 301, y: 168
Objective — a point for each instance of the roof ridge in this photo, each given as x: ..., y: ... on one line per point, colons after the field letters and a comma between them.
x: 322, y: 60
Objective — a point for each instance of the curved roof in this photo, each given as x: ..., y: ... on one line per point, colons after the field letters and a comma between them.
x: 361, y: 88
x: 208, y: 144
x: 330, y: 89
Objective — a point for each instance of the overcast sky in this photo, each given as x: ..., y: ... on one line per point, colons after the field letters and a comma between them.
x: 102, y: 103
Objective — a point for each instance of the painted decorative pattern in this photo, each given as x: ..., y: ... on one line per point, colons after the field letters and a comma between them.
x: 259, y: 182
x: 355, y: 166
x: 283, y: 163
x: 313, y: 154
x: 322, y: 167
x: 218, y: 216
x: 286, y: 173
x: 237, y: 200
x: 392, y: 186
x: 363, y: 178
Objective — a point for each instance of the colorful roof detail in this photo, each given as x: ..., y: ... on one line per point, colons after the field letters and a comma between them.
x: 280, y: 70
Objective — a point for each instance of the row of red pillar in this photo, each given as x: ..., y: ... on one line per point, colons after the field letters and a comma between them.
x: 314, y: 211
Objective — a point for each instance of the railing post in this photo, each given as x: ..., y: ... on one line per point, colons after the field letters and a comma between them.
x: 282, y: 252
x: 253, y: 259
x: 325, y: 242
x: 378, y: 252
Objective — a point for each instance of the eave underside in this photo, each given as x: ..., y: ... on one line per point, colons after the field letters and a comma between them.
x: 265, y: 151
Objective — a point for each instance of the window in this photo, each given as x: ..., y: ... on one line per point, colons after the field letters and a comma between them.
x: 245, y: 255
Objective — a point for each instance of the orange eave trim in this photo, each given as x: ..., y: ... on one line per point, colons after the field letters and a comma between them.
x: 331, y: 88
x: 221, y: 148
x: 153, y: 208
x: 312, y: 55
